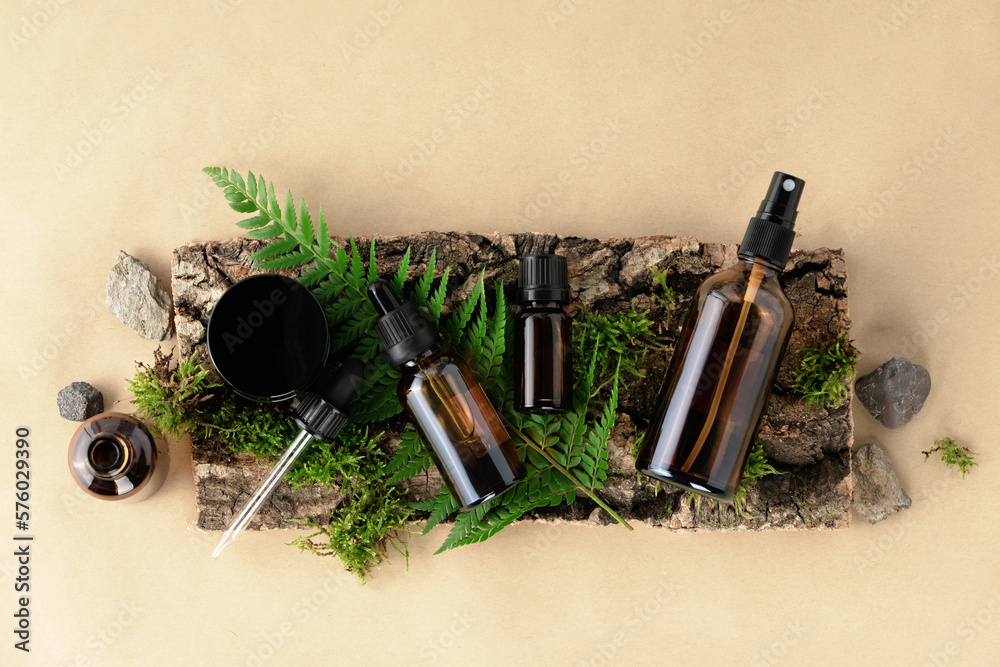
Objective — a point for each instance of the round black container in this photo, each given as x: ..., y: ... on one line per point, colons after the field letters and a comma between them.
x: 268, y: 337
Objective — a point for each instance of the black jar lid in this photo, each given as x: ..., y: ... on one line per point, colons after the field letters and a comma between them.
x: 268, y: 337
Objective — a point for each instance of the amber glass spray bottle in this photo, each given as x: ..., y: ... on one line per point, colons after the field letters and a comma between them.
x: 726, y: 359
x: 447, y: 405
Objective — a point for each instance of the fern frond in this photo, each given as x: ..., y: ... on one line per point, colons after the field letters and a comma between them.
x: 436, y: 300
x: 411, y: 459
x: 422, y: 290
x: 399, y: 279
x: 494, y: 345
x: 454, y: 329
x: 376, y: 401
x: 440, y: 507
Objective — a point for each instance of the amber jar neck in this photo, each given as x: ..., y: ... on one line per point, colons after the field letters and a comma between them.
x: 424, y: 359
x: 543, y: 305
x: 748, y: 262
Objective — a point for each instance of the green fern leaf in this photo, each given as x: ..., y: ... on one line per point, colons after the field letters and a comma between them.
x: 368, y: 347
x: 491, y: 358
x: 411, y: 459
x: 290, y: 218
x: 377, y: 401
x: 436, y: 301
x: 596, y: 453
x: 357, y: 266
x: 289, y: 261
x: 307, y: 234
x: 422, y: 289
x: 272, y: 203
x: 274, y: 249
x: 269, y: 232
x: 257, y: 221
x: 312, y: 276
x: 440, y: 507
x: 473, y: 337
x: 399, y: 279
x: 245, y: 206
x: 261, y: 193
x: 454, y: 329
x: 251, y: 185
x: 323, y: 236
x: 357, y: 324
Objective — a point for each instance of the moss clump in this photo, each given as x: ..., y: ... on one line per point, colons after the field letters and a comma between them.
x: 825, y: 374
x: 757, y: 467
x: 373, y: 516
x: 660, y: 279
x: 625, y: 336
x: 181, y: 398
x: 953, y: 455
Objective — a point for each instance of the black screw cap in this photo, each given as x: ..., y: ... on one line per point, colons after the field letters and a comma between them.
x: 403, y: 330
x: 543, y: 278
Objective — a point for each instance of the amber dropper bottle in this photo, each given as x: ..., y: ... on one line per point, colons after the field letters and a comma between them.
x: 447, y: 405
x: 543, y: 337
x: 726, y: 359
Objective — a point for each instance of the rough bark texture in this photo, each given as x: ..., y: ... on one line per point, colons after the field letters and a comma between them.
x: 605, y: 274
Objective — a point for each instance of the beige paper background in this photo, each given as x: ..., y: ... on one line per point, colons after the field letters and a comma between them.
x: 836, y: 93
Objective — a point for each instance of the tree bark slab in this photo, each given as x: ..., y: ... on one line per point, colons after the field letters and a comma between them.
x: 611, y: 275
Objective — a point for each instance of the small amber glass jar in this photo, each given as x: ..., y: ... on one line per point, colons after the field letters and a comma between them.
x: 113, y: 456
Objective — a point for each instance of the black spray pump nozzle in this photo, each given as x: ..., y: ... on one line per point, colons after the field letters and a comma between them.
x: 770, y: 234
x: 323, y: 410
x: 782, y: 200
x: 403, y: 330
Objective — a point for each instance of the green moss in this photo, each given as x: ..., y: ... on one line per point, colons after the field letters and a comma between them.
x: 372, y: 517
x: 179, y: 399
x: 627, y: 336
x: 825, y: 374
x: 757, y: 467
x: 953, y: 455
x: 660, y: 280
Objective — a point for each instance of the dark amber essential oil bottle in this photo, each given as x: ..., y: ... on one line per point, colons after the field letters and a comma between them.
x: 113, y: 456
x: 447, y: 405
x: 726, y: 359
x: 544, y: 336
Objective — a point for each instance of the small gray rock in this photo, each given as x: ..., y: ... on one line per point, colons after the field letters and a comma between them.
x: 79, y: 401
x: 877, y: 492
x: 894, y: 392
x: 136, y: 297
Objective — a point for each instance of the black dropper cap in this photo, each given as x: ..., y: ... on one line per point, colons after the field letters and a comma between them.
x: 403, y: 330
x: 323, y: 410
x: 770, y: 234
x: 543, y: 278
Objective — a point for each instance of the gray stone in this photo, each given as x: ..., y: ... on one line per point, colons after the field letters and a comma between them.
x: 877, y: 492
x: 79, y: 401
x: 894, y: 392
x: 136, y: 297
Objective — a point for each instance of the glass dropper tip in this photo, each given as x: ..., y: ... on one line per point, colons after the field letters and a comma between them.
x: 223, y: 543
